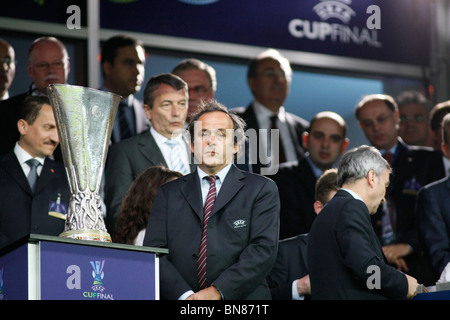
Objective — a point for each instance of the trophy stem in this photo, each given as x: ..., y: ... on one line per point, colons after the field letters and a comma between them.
x: 84, y: 218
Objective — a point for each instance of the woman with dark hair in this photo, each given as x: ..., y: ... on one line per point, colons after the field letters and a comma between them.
x: 133, y: 218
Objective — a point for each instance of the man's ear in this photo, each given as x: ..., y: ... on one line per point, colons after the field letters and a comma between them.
x: 318, y: 206
x: 107, y: 68
x: 445, y: 150
x: 22, y: 126
x: 148, y: 112
x: 305, y: 139
x: 371, y: 178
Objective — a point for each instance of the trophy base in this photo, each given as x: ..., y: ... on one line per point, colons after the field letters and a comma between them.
x: 84, y: 234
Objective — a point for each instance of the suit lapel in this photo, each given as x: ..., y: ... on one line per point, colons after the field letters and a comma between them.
x: 14, y: 169
x: 46, y: 176
x: 232, y: 184
x: 150, y: 150
x: 249, y: 117
x: 191, y: 190
x: 295, y: 138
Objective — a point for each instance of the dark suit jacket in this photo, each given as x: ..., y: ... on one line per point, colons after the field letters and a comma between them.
x: 296, y: 185
x: 141, y: 121
x: 290, y: 265
x: 126, y: 160
x: 10, y: 110
x: 295, y: 124
x: 433, y: 211
x: 341, y: 247
x: 413, y: 168
x: 242, y: 235
x: 21, y: 212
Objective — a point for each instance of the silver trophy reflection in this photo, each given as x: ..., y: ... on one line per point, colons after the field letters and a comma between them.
x: 84, y: 118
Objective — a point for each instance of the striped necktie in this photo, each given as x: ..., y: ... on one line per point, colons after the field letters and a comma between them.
x: 201, y: 260
x: 176, y: 162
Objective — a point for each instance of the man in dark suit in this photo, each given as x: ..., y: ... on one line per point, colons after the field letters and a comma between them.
x: 269, y: 77
x: 31, y: 207
x: 289, y: 278
x: 222, y: 248
x: 48, y: 63
x: 123, y: 68
x: 433, y: 211
x: 412, y: 168
x: 345, y: 259
x: 165, y: 103
x: 325, y: 141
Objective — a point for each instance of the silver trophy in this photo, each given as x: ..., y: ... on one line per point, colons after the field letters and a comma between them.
x: 84, y: 118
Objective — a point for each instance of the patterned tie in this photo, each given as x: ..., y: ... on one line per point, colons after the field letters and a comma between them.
x: 124, y: 125
x: 32, y: 175
x: 176, y: 162
x: 273, y: 125
x: 201, y: 260
x: 390, y: 200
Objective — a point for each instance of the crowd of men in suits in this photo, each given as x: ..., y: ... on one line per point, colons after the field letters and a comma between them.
x: 269, y: 196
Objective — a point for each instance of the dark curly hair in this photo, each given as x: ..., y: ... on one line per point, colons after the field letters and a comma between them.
x: 137, y: 204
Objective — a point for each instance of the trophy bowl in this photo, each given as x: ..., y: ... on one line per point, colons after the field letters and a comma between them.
x: 84, y: 119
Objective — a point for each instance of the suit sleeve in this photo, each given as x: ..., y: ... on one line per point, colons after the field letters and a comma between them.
x: 118, y: 179
x: 278, y: 280
x: 174, y: 284
x: 432, y: 228
x: 257, y: 259
x: 357, y: 242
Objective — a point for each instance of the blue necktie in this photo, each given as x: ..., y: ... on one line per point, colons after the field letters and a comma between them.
x: 176, y: 162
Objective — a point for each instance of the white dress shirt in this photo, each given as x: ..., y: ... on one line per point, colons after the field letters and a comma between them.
x: 166, y: 150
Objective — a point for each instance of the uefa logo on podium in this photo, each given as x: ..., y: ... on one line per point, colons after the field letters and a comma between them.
x: 98, y: 288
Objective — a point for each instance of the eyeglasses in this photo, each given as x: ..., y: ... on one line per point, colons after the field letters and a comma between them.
x: 416, y: 118
x: 8, y: 61
x: 43, y: 66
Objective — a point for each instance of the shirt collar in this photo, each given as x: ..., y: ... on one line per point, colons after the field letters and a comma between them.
x: 262, y: 112
x: 5, y: 96
x: 221, y: 174
x: 160, y: 139
x: 354, y: 194
x: 23, y: 156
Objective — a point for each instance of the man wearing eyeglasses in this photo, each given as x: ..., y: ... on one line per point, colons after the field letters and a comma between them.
x: 269, y: 77
x: 7, y: 68
x: 48, y: 63
x: 201, y: 80
x: 414, y: 109
x: 412, y: 168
